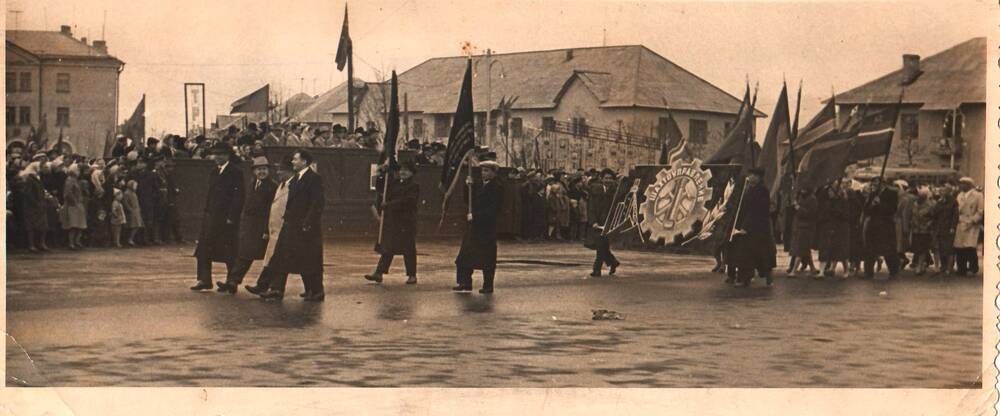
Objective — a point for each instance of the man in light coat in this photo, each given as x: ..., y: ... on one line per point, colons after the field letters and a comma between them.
x: 970, y: 217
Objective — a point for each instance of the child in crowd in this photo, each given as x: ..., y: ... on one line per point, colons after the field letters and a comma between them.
x: 133, y: 216
x: 117, y: 219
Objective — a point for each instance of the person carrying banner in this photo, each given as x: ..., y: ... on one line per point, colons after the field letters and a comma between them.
x: 399, y: 224
x: 602, y: 193
x: 880, y: 228
x: 753, y: 246
x: 479, y: 243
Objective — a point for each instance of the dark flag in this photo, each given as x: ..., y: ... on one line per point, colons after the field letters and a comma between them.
x: 461, y: 139
x: 256, y: 102
x: 344, y: 48
x: 824, y: 163
x: 674, y: 144
x: 391, y: 124
x: 819, y: 129
x: 875, y: 133
x: 778, y: 131
x: 135, y: 127
x: 736, y: 140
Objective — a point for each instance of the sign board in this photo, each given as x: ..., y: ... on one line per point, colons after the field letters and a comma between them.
x: 194, y: 109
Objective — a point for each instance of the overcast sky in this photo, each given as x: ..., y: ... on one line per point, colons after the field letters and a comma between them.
x: 238, y: 46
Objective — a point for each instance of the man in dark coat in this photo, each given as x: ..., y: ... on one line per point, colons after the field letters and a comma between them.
x: 479, y: 243
x: 399, y: 224
x: 253, y: 225
x: 170, y: 227
x: 299, y: 248
x: 148, y: 192
x: 880, y: 229
x: 220, y: 224
x: 602, y: 195
x: 753, y: 246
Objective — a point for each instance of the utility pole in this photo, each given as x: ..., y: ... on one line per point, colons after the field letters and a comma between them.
x: 489, y: 98
x: 406, y: 118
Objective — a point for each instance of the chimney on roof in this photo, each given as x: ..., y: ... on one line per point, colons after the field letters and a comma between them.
x: 911, y: 68
x: 569, y: 55
x: 83, y: 40
x: 101, y: 46
x: 65, y: 29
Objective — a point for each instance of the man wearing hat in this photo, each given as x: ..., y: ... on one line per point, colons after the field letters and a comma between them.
x: 253, y: 225
x: 399, y: 224
x: 220, y: 223
x: 753, y: 246
x: 970, y: 217
x: 602, y: 193
x: 479, y: 243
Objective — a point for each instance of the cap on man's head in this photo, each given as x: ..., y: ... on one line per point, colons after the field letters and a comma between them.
x: 901, y: 183
x: 260, y: 161
x: 967, y: 180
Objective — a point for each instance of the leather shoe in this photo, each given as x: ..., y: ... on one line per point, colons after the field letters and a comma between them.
x: 225, y: 287
x: 272, y: 295
x: 412, y: 280
x: 595, y: 274
x: 461, y: 288
x: 374, y: 277
x: 486, y: 291
x: 202, y: 286
x: 614, y: 268
x: 315, y: 297
x: 254, y: 289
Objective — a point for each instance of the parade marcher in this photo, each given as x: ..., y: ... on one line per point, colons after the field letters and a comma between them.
x: 855, y: 210
x: 920, y: 229
x: 602, y: 194
x: 275, y: 221
x: 970, y: 216
x: 904, y: 221
x: 753, y: 246
x: 945, y: 221
x: 880, y: 228
x: 253, y: 225
x: 299, y: 248
x: 834, y: 230
x: 399, y: 224
x: 803, y: 233
x: 220, y: 223
x: 479, y: 242
x: 74, y: 210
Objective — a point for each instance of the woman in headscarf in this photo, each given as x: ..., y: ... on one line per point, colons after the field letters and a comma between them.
x: 74, y: 210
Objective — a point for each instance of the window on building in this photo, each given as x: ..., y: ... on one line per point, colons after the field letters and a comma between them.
x: 62, y: 117
x: 728, y: 127
x: 62, y: 83
x: 25, y: 82
x: 441, y: 125
x: 952, y: 129
x: 516, y: 127
x: 11, y: 81
x: 909, y: 126
x: 579, y: 126
x: 24, y: 116
x: 11, y: 115
x: 548, y: 123
x: 698, y: 131
x: 418, y: 128
x: 480, y: 125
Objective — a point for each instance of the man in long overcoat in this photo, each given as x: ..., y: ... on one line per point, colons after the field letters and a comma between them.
x: 220, y: 222
x: 479, y: 243
x: 970, y: 218
x: 399, y: 224
x: 880, y: 229
x: 253, y: 225
x: 753, y: 246
x: 299, y: 248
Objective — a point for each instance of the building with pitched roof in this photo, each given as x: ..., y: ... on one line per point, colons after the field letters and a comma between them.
x: 59, y: 83
x: 618, y: 96
x: 942, y: 125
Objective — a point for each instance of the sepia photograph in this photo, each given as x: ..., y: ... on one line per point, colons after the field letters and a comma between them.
x: 510, y: 202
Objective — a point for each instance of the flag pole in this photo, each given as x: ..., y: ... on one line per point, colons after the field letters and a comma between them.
x: 604, y: 227
x: 385, y: 193
x: 739, y: 207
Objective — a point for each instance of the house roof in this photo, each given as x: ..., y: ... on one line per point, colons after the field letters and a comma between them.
x: 949, y: 78
x: 49, y: 44
x: 619, y: 76
x: 319, y: 109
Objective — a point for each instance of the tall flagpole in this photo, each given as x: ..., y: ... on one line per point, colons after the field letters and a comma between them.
x: 350, y: 81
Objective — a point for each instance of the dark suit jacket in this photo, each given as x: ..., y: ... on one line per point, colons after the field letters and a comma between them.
x: 218, y: 240
x: 256, y: 212
x: 756, y: 248
x: 399, y: 226
x: 299, y: 248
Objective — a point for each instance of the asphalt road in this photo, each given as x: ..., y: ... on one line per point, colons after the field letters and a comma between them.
x: 126, y: 318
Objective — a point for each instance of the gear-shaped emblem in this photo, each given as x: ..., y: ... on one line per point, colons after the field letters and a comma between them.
x: 675, y: 200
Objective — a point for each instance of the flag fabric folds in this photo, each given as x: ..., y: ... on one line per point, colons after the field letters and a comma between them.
x: 461, y: 139
x: 256, y: 102
x: 135, y: 127
x: 674, y: 143
x: 345, y: 46
x: 819, y: 129
x: 735, y: 142
x: 824, y: 163
x: 874, y: 138
x: 778, y: 131
x: 391, y: 124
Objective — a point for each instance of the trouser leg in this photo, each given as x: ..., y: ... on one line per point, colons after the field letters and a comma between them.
x: 744, y: 274
x: 893, y: 263
x: 410, y: 261
x: 276, y: 280
x: 870, y: 266
x: 384, y: 261
x: 204, y: 270
x: 313, y: 282
x: 239, y: 270
x: 264, y: 279
x: 463, y: 276
x: 489, y: 273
